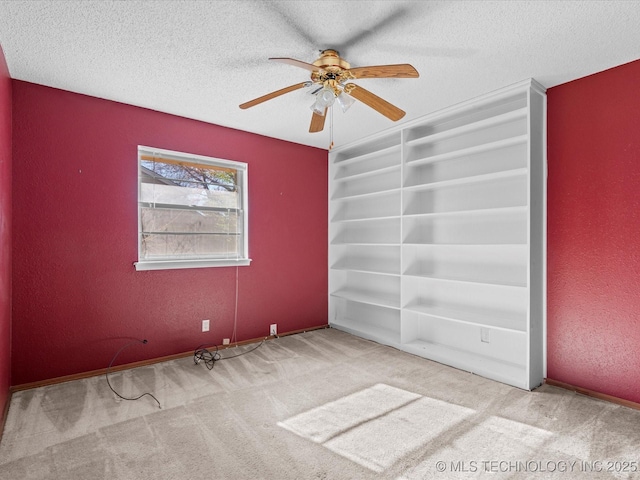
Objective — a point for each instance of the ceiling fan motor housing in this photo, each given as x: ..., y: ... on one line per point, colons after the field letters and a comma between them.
x: 332, y: 70
x: 330, y: 60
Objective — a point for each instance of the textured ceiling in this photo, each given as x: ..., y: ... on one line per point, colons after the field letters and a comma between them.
x: 201, y: 59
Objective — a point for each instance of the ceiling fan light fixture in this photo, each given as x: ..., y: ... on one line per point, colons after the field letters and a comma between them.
x: 324, y: 99
x: 327, y: 96
x: 345, y: 101
x: 317, y: 109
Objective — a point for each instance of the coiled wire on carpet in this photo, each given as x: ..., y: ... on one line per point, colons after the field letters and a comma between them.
x: 201, y: 354
x: 109, y: 367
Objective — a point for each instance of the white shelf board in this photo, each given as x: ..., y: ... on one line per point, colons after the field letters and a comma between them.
x: 505, y: 372
x: 465, y: 280
x: 379, y: 300
x: 484, y: 147
x: 467, y: 245
x: 470, y: 127
x: 449, y: 244
x: 369, y: 155
x: 486, y: 177
x: 363, y: 219
x: 365, y: 270
x: 367, y: 173
x: 480, y: 211
x: 364, y: 195
x: 361, y: 328
x: 338, y: 242
x: 464, y: 245
x: 477, y: 317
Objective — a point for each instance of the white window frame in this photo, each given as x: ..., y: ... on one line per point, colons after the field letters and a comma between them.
x: 169, y: 263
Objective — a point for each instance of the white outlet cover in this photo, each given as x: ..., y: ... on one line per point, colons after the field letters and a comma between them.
x: 485, y: 335
x: 205, y: 325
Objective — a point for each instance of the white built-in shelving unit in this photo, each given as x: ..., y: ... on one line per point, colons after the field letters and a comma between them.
x: 437, y: 236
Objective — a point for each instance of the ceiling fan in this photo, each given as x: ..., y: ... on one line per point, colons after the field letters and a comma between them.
x: 330, y: 73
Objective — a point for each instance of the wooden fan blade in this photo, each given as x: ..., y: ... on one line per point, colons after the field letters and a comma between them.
x: 403, y: 70
x: 298, y: 63
x: 317, y: 122
x: 275, y: 94
x: 365, y: 96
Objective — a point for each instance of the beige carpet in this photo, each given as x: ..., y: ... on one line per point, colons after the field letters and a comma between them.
x: 318, y: 405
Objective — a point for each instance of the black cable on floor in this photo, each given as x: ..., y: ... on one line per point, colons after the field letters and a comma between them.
x: 109, y: 367
x: 202, y: 354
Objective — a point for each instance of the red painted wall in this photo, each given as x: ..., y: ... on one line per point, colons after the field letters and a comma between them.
x: 76, y: 295
x: 594, y: 232
x: 5, y: 234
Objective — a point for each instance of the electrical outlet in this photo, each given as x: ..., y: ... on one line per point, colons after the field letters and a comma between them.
x: 205, y: 325
x: 273, y: 329
x: 225, y: 341
x: 484, y: 335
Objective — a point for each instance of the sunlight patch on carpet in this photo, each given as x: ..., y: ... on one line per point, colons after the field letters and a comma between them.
x: 333, y: 418
x: 377, y: 426
x: 518, y: 445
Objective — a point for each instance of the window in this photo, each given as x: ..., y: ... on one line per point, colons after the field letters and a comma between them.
x: 192, y: 211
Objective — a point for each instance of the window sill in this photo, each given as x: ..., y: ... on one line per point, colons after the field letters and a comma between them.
x: 174, y: 264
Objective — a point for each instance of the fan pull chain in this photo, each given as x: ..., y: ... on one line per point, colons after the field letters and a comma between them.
x: 331, y: 128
